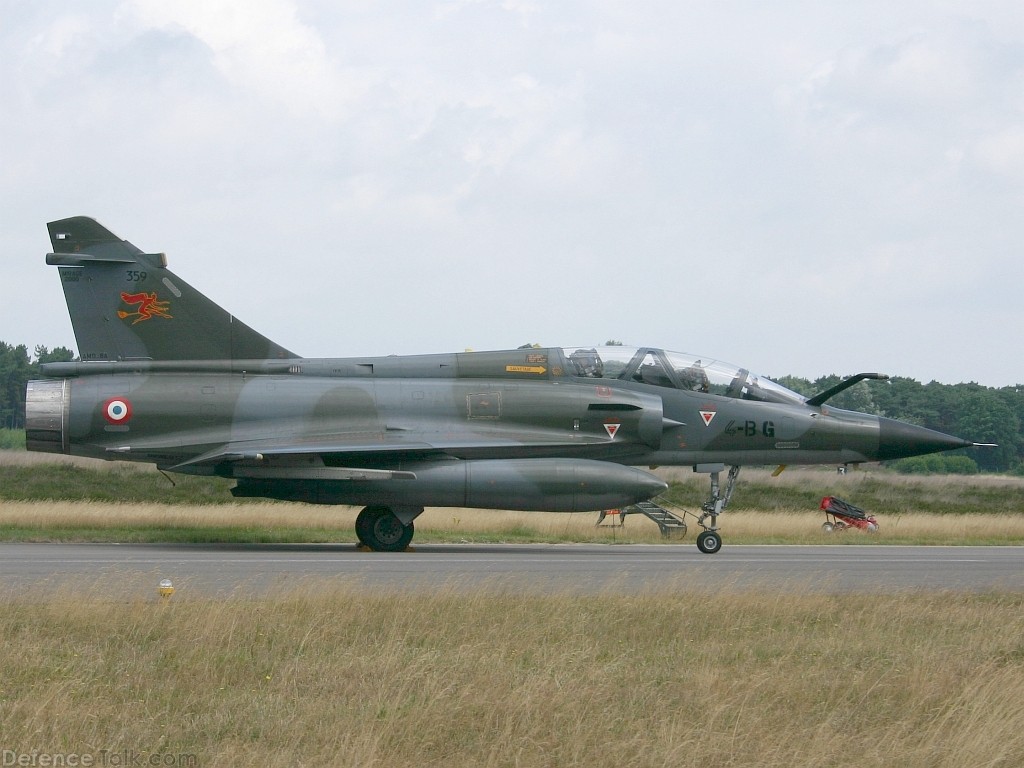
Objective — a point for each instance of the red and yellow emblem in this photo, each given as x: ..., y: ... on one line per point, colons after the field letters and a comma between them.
x: 148, y: 305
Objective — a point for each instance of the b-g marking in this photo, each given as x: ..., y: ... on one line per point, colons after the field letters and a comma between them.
x: 749, y: 429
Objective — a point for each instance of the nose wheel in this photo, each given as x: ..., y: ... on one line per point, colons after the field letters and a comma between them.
x: 709, y: 542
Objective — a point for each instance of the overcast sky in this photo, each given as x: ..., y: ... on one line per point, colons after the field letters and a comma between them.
x: 797, y: 187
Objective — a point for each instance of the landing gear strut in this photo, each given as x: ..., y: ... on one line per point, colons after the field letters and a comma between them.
x: 709, y: 540
x: 384, y: 529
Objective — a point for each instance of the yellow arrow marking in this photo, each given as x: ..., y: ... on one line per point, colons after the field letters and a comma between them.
x: 525, y: 369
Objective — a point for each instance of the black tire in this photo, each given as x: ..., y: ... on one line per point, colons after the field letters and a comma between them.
x: 709, y: 542
x: 379, y: 529
x: 827, y: 527
x: 364, y: 523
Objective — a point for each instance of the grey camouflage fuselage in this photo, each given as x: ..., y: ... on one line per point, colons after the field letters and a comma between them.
x: 169, y: 377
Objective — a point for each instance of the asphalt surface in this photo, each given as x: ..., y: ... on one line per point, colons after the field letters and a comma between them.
x: 225, y: 570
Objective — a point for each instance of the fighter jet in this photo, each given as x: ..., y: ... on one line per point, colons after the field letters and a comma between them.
x: 168, y: 377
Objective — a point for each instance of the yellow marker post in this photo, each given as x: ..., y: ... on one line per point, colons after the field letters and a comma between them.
x: 166, y: 588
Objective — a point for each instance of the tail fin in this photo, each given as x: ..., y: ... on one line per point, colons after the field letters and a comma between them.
x: 126, y: 305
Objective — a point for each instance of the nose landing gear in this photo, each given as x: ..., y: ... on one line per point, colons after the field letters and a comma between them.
x: 709, y: 540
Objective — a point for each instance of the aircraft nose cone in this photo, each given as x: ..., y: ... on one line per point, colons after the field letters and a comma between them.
x: 897, y: 440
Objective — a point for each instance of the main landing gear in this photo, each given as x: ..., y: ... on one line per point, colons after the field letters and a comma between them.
x: 709, y: 540
x: 386, y: 529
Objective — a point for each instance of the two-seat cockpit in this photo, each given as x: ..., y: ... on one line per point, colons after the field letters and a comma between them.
x: 675, y: 370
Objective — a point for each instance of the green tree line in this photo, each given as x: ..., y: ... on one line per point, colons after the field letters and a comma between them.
x: 971, y: 411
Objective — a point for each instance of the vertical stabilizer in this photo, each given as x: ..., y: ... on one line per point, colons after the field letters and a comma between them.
x: 126, y: 304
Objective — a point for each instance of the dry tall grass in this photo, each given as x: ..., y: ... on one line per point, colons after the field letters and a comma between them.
x: 792, y: 477
x: 29, y: 459
x: 335, y: 675
x: 782, y: 518
x: 105, y: 522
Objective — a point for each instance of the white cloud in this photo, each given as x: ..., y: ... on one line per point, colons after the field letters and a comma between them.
x: 1002, y: 153
x: 65, y: 34
x: 263, y: 47
x: 461, y: 171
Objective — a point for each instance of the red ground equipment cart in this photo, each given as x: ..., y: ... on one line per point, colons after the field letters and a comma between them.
x: 840, y: 515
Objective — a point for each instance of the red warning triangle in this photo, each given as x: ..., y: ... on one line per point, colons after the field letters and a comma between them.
x: 707, y: 416
x: 611, y: 429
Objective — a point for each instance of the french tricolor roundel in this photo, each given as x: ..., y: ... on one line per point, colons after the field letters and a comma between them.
x: 117, y: 410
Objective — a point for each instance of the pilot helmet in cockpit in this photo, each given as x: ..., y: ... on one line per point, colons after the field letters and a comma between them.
x: 587, y: 363
x: 694, y: 378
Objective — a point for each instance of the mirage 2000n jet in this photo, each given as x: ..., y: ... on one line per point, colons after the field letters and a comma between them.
x: 168, y: 377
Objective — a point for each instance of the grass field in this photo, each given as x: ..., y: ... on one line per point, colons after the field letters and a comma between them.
x: 333, y: 673
x: 44, y: 477
x: 54, y: 498
x: 278, y: 523
x: 336, y: 675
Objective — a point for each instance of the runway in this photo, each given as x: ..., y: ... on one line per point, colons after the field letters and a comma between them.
x: 222, y: 570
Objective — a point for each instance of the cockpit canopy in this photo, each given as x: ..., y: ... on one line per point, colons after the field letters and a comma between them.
x: 676, y: 370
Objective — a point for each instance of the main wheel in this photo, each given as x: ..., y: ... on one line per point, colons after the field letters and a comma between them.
x: 827, y: 527
x: 379, y: 529
x: 709, y: 542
